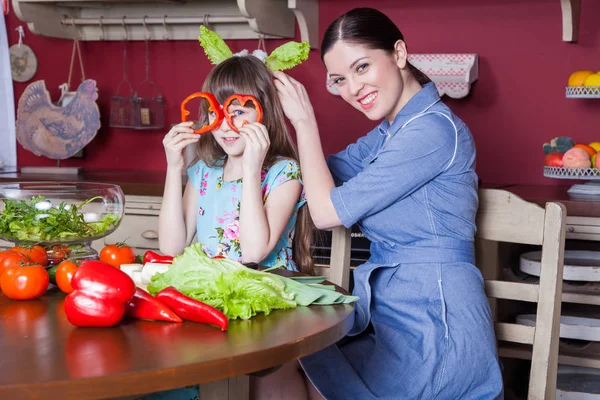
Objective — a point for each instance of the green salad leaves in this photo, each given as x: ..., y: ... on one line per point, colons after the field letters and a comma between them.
x: 241, y: 292
x: 39, y: 221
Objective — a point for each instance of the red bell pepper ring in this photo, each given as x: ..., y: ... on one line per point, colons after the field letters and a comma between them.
x: 100, y: 295
x: 242, y: 99
x: 213, y: 106
x: 191, y: 309
x: 144, y: 306
x: 152, y: 257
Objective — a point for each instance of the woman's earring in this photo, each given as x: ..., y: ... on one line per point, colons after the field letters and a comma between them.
x: 331, y: 86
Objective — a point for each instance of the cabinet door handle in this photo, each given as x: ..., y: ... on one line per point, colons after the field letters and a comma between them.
x: 150, y: 234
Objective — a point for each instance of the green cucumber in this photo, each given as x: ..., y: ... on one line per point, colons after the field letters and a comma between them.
x: 52, y: 274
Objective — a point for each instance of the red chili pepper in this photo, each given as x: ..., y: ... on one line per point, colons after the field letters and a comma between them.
x: 213, y: 106
x: 100, y: 295
x: 152, y: 257
x: 191, y: 309
x: 218, y: 257
x: 144, y: 306
x: 242, y: 99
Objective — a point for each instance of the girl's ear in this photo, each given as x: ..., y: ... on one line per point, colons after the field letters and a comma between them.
x: 400, y: 54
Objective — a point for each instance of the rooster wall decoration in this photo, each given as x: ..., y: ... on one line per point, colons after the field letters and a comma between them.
x: 57, y: 132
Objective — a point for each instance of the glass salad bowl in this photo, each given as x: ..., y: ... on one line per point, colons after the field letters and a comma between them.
x: 61, y: 216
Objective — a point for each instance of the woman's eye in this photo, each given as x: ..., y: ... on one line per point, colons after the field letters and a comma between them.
x: 362, y: 67
x: 338, y: 81
x: 238, y: 112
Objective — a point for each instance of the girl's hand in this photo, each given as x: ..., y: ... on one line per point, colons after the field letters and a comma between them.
x: 176, y: 140
x: 294, y: 99
x: 257, y: 142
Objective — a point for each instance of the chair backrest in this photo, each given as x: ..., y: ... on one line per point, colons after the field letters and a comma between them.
x: 339, y: 266
x: 505, y: 217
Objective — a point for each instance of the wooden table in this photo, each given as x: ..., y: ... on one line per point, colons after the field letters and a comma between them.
x: 43, y: 356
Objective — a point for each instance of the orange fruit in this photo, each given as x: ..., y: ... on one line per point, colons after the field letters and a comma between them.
x: 578, y: 77
x: 590, y: 150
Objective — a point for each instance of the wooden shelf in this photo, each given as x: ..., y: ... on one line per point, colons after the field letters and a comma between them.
x: 93, y: 20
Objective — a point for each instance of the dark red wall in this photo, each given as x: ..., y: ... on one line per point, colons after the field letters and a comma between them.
x: 517, y: 104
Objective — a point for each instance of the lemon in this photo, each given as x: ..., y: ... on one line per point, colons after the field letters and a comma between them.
x: 578, y: 77
x: 592, y: 80
x: 595, y: 146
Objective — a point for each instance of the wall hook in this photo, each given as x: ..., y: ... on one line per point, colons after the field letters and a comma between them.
x: 166, y: 35
x: 125, y: 29
x: 101, y: 28
x: 148, y: 34
x: 206, y: 24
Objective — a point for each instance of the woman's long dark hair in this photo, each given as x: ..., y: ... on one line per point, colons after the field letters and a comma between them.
x: 370, y: 28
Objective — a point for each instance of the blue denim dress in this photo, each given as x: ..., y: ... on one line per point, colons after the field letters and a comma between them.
x: 423, y: 327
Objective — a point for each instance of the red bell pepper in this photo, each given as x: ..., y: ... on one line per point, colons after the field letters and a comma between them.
x: 100, y: 294
x: 213, y: 106
x: 144, y: 306
x: 191, y: 309
x: 152, y: 257
x: 242, y: 99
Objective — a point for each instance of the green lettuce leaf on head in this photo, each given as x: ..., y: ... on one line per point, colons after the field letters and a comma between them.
x: 214, y: 46
x: 287, y: 56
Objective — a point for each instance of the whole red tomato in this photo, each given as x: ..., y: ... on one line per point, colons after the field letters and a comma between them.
x: 64, y: 273
x: 24, y: 283
x: 58, y: 253
x: 117, y: 254
x: 35, y: 253
x: 9, y: 259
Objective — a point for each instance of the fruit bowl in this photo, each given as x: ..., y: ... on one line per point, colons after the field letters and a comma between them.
x: 583, y: 92
x: 587, y: 191
x: 72, y: 214
x: 572, y: 173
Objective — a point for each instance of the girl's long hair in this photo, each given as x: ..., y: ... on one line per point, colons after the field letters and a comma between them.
x: 248, y: 75
x: 370, y: 28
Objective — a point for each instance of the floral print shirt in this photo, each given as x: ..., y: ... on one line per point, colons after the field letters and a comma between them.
x: 218, y: 213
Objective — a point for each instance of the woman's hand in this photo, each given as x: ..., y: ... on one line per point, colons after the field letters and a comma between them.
x: 294, y: 99
x: 176, y: 140
x: 257, y: 142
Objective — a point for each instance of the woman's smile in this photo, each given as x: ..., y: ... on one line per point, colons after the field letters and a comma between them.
x: 367, y: 102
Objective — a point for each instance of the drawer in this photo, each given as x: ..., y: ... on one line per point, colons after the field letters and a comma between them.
x: 138, y: 231
x: 583, y: 228
x: 143, y: 205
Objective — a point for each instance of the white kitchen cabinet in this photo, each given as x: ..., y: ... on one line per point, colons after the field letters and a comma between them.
x: 139, y: 227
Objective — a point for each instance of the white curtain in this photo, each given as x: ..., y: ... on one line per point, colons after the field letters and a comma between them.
x: 8, y: 143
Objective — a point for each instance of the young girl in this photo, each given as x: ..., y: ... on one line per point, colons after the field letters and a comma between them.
x: 244, y: 192
x: 243, y: 199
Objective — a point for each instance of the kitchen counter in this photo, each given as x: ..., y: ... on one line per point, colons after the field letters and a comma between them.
x: 140, y: 183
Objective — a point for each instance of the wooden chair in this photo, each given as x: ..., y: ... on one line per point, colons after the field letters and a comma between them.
x: 504, y: 217
x: 338, y: 269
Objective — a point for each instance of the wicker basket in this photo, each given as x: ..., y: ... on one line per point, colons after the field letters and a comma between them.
x: 149, y: 111
x: 122, y: 108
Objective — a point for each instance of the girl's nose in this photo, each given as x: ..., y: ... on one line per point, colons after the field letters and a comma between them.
x: 224, y: 125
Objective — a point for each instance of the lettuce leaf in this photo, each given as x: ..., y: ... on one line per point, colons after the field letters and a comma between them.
x: 237, y: 291
x: 287, y: 56
x: 214, y: 46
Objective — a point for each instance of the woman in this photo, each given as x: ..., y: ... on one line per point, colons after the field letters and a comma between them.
x: 423, y: 326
